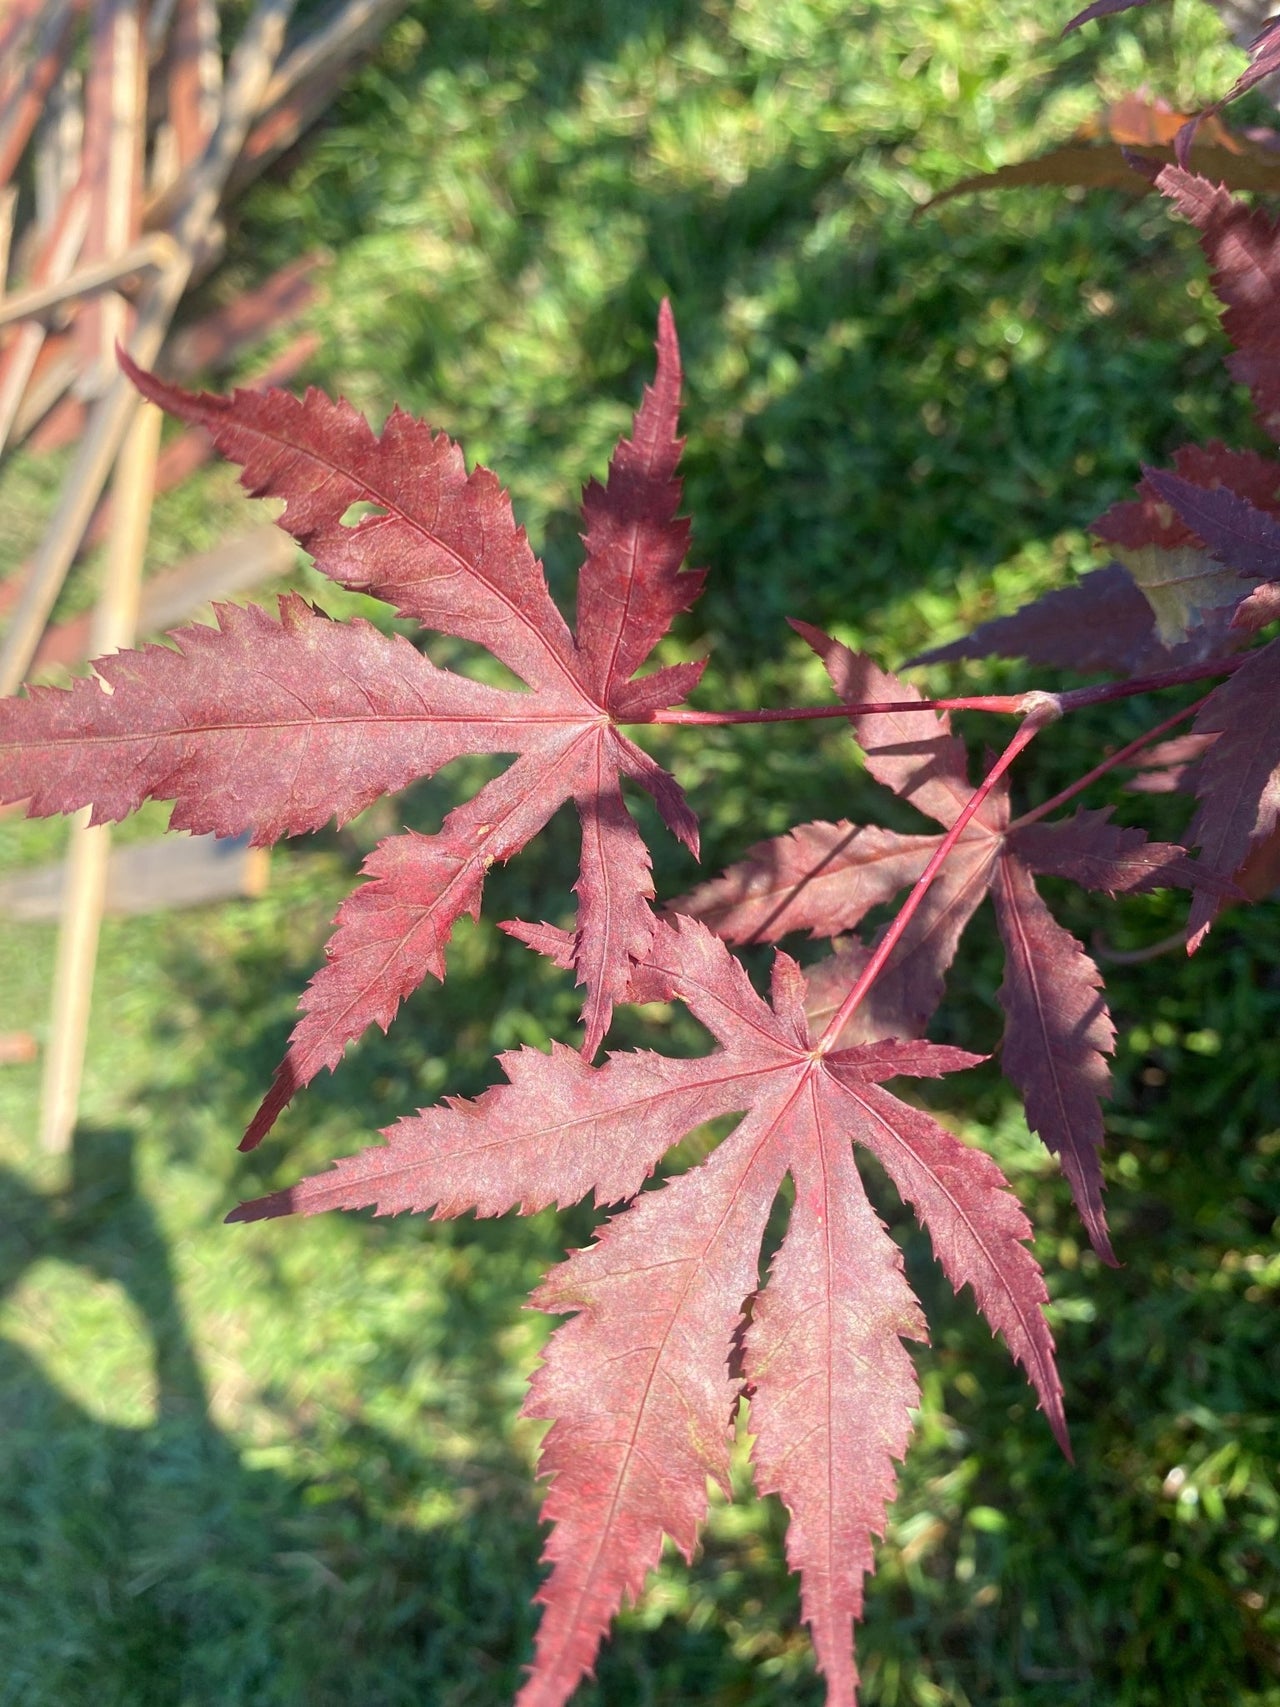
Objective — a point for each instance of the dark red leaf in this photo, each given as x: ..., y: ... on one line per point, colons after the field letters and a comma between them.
x: 1264, y: 53
x: 1169, y: 766
x: 976, y: 1224
x: 1091, y: 851
x: 825, y: 876
x: 1151, y: 519
x: 1101, y: 623
x: 1058, y: 1036
x: 1102, y: 9
x: 445, y: 550
x: 276, y: 728
x: 1244, y: 250
x: 631, y: 589
x: 819, y: 877
x: 261, y: 726
x: 1237, y: 781
x: 638, y: 1385
x: 1244, y: 538
x: 912, y: 752
x: 827, y: 1328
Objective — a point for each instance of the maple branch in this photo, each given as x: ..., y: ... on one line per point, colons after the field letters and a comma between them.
x: 1121, y: 756
x: 1075, y: 699
x: 1040, y: 709
x: 1010, y: 702
x: 1014, y: 704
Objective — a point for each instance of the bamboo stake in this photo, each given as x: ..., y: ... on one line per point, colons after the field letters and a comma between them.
x: 249, y: 75
x: 114, y: 128
x: 195, y: 79
x: 47, y: 388
x: 59, y: 149
x: 151, y: 253
x: 23, y: 105
x: 350, y: 27
x: 14, y: 26
x: 8, y: 206
x: 299, y: 91
x: 114, y: 624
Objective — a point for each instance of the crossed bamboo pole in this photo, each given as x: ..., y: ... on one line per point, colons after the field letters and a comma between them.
x: 105, y: 230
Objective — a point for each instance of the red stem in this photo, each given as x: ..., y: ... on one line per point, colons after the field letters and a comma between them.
x: 1035, y: 721
x: 1118, y: 758
x: 1075, y: 699
x: 1011, y: 702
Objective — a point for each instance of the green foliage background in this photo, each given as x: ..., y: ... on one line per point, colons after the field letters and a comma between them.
x: 281, y: 1464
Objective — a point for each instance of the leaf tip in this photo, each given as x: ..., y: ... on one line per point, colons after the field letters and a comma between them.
x: 272, y: 1106
x: 263, y: 1208
x: 667, y: 328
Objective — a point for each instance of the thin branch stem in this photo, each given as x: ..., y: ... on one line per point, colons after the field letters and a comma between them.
x: 1012, y: 704
x: 1045, y: 712
x: 1075, y: 699
x: 1122, y: 756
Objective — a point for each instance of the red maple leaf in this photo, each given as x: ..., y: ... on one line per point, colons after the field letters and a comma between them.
x: 1242, y: 244
x: 826, y: 877
x: 1152, y: 519
x: 276, y: 727
x: 1105, y: 622
x: 1237, y: 778
x: 1101, y: 622
x: 639, y: 1385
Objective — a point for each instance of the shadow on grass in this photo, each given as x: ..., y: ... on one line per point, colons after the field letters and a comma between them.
x: 150, y: 1566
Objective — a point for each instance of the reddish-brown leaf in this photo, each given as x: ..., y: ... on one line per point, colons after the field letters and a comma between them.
x: 275, y: 728
x: 1101, y: 623
x: 824, y: 877
x: 639, y: 1385
x: 1237, y: 781
x: 1057, y: 1037
x: 1152, y: 519
x: 1246, y: 539
x: 1124, y: 147
x: 1243, y: 248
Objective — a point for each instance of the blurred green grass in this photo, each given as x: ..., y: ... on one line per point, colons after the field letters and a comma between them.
x: 282, y: 1464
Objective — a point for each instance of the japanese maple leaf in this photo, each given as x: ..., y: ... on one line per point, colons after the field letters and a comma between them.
x: 1242, y: 244
x: 1173, y: 541
x: 825, y: 877
x: 1237, y: 780
x: 276, y: 727
x: 1167, y: 601
x: 639, y: 1384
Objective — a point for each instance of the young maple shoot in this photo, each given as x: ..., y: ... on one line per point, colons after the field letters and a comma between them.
x: 273, y: 726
